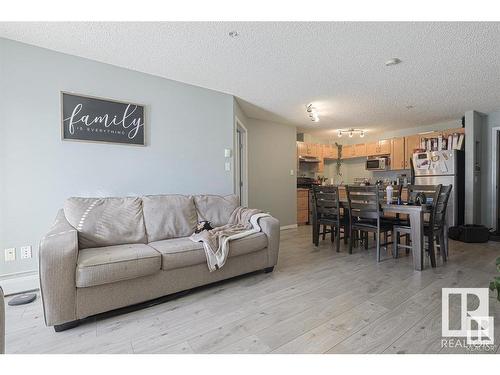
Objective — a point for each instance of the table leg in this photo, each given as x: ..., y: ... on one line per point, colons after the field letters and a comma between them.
x: 417, y: 239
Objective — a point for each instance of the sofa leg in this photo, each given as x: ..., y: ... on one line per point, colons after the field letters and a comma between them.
x: 269, y: 269
x: 65, y: 326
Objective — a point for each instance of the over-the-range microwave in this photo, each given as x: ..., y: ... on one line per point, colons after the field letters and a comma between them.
x: 377, y: 164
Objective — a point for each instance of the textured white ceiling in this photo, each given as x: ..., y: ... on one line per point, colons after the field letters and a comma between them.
x: 277, y: 68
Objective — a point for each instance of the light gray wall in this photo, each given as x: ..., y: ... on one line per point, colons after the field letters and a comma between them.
x: 272, y: 155
x: 187, y: 129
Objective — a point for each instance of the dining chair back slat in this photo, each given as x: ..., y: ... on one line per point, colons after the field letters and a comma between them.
x: 439, y: 206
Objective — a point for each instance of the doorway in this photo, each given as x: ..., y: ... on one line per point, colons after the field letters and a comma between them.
x: 241, y: 162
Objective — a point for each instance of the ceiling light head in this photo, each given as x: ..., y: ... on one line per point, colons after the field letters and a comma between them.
x: 351, y: 134
x: 340, y: 133
x: 233, y: 34
x: 312, y: 113
x: 393, y: 61
x: 361, y: 134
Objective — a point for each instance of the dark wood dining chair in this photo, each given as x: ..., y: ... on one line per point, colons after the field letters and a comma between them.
x: 365, y: 214
x: 434, y: 230
x: 327, y: 213
x: 434, y: 227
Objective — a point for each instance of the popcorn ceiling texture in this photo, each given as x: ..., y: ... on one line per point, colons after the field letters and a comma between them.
x: 278, y: 68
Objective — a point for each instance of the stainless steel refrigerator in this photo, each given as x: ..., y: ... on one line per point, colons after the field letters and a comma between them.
x: 446, y: 168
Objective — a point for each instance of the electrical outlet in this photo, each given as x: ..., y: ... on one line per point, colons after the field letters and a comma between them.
x: 26, y: 252
x: 10, y: 254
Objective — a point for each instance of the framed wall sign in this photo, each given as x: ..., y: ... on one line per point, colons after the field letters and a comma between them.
x: 91, y: 119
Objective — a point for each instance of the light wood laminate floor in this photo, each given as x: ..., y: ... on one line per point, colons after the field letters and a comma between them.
x: 316, y: 301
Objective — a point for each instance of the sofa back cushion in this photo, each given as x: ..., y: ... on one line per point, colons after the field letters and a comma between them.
x: 106, y: 221
x: 169, y: 216
x: 215, y: 208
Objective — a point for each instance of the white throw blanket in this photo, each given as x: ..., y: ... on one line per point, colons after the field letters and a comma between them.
x: 242, y: 223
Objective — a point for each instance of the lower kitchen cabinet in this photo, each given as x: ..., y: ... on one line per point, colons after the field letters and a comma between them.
x: 302, y: 206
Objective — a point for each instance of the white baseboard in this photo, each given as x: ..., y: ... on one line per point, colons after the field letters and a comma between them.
x: 292, y: 226
x: 20, y: 284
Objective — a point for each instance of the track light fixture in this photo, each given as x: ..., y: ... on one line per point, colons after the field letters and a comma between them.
x: 350, y: 132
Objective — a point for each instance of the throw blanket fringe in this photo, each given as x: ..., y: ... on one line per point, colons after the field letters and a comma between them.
x: 242, y: 223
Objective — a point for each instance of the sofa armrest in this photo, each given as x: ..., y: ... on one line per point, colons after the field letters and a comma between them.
x: 57, y: 268
x: 271, y: 227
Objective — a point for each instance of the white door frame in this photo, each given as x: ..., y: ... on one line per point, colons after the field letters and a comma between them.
x: 244, y: 191
x: 494, y: 176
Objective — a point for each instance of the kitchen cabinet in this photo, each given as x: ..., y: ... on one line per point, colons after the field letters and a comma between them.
x: 321, y: 166
x: 347, y: 151
x: 412, y: 143
x: 371, y: 148
x: 360, y: 150
x: 382, y: 147
x: 302, y: 206
x: 398, y: 153
x: 330, y: 152
x: 353, y: 151
x: 301, y: 149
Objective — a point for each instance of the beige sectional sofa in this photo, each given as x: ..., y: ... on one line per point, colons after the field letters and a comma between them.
x: 107, y: 253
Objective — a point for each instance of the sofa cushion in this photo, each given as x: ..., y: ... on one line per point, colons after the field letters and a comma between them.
x: 182, y: 252
x: 169, y: 216
x: 104, y: 265
x: 215, y: 208
x: 106, y: 221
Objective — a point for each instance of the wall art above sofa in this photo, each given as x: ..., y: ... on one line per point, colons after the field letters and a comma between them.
x: 86, y: 118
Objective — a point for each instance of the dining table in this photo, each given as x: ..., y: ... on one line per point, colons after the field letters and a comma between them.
x: 416, y: 216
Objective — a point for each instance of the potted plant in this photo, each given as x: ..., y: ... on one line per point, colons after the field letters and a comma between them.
x: 339, y: 163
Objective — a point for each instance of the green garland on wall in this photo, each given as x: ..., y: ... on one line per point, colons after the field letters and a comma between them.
x: 339, y: 160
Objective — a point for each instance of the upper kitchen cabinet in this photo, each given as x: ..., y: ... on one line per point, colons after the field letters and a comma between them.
x: 347, y: 151
x: 398, y: 153
x: 308, y: 149
x: 372, y: 148
x: 382, y: 147
x: 301, y: 149
x: 412, y: 143
x: 330, y: 152
x: 360, y: 150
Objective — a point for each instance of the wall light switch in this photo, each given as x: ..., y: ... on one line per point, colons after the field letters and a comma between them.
x: 227, y: 153
x: 26, y: 252
x: 292, y: 172
x: 227, y: 166
x: 10, y: 254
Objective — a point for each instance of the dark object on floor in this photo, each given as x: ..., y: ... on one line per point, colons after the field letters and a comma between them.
x: 22, y: 299
x: 470, y: 233
x: 495, y: 236
x: 203, y: 225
